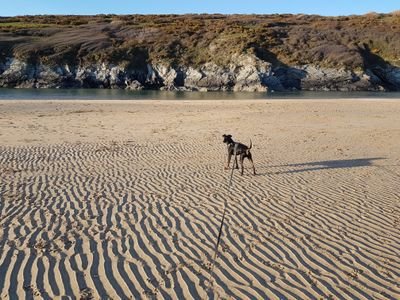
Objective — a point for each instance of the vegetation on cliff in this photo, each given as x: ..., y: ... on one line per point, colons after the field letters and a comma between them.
x: 352, y: 42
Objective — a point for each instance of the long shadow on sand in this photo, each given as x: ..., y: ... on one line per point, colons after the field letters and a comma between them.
x: 327, y: 164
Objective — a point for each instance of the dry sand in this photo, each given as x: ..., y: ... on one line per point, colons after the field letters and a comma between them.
x: 124, y: 200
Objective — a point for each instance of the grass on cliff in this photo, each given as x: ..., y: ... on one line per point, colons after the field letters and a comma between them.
x: 182, y: 40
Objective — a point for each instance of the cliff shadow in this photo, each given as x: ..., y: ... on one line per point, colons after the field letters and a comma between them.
x: 283, y: 77
x: 378, y: 66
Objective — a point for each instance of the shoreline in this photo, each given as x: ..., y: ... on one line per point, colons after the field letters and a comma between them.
x: 383, y: 99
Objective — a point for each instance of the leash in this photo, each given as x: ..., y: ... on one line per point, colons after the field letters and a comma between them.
x: 222, y: 220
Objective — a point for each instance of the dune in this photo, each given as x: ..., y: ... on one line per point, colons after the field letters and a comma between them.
x: 123, y: 199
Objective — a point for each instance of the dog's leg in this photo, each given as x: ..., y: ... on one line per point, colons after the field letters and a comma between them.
x: 250, y: 157
x: 236, y: 166
x: 229, y: 161
x: 241, y: 163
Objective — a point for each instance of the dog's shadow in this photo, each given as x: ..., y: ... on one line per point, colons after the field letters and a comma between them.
x: 323, y: 165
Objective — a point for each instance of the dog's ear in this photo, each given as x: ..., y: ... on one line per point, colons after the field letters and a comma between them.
x: 224, y: 135
x: 229, y: 136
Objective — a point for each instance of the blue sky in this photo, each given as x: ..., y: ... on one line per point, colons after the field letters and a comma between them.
x: 330, y: 8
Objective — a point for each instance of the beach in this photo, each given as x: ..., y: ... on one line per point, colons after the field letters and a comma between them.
x: 124, y: 199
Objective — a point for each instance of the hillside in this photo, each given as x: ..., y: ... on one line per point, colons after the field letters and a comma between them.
x: 202, y: 52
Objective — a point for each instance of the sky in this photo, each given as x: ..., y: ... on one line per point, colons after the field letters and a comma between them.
x: 90, y: 7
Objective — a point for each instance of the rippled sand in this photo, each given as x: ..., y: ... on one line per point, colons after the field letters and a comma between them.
x: 124, y: 200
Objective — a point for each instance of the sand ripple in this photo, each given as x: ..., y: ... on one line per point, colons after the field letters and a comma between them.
x: 125, y: 219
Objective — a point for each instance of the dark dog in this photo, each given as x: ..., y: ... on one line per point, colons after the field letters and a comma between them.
x: 242, y: 150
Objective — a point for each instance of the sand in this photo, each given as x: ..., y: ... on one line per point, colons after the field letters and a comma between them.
x: 121, y: 199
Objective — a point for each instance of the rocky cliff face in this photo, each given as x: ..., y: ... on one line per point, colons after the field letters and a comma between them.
x: 243, y: 73
x: 202, y: 52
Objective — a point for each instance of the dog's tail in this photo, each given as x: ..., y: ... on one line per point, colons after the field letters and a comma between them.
x: 251, y: 144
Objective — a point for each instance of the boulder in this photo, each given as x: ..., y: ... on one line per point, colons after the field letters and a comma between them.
x: 133, y: 85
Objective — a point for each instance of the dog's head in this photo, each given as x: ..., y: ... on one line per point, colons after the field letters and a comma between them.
x: 227, y: 138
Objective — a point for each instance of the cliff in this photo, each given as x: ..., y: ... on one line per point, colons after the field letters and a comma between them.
x: 202, y: 52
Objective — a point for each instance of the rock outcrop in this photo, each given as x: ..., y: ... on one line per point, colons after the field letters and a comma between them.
x: 243, y: 73
x: 210, y: 52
